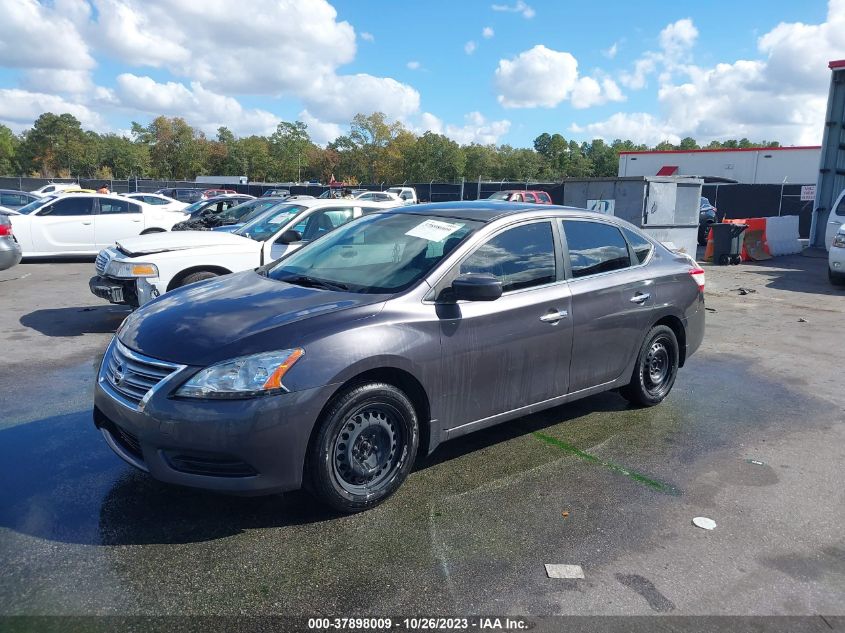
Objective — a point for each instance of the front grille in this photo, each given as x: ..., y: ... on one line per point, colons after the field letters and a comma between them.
x: 133, y: 375
x: 210, y: 465
x: 102, y: 262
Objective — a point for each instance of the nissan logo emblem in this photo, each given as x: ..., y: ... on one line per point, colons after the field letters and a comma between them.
x: 117, y: 374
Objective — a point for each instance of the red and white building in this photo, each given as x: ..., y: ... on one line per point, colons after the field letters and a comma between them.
x: 755, y: 165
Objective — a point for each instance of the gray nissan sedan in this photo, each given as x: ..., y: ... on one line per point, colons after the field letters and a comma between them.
x: 336, y: 366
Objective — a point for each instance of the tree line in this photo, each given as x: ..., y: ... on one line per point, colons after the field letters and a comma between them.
x: 374, y: 150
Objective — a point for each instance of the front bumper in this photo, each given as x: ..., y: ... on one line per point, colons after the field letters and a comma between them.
x: 134, y: 292
x: 10, y: 253
x: 836, y: 260
x: 251, y: 446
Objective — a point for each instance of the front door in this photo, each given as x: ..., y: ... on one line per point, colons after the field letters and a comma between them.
x: 506, y: 354
x: 115, y: 220
x: 65, y: 226
x: 313, y: 226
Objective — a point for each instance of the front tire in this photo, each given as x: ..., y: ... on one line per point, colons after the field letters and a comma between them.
x: 836, y: 279
x: 364, y: 449
x: 655, y: 370
x: 198, y: 276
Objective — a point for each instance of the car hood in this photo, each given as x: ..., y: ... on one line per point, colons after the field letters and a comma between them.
x: 179, y: 240
x: 235, y: 315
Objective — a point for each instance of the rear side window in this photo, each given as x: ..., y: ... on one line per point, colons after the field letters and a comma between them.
x: 840, y: 208
x: 544, y: 197
x: 521, y: 257
x: 642, y: 247
x: 72, y: 205
x: 12, y: 200
x: 111, y: 207
x: 595, y: 247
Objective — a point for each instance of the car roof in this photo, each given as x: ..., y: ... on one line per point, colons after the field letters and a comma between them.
x: 485, y: 210
x: 14, y: 191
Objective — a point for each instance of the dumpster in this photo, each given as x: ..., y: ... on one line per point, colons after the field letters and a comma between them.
x: 727, y: 243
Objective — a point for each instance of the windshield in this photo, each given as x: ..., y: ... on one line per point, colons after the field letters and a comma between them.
x: 35, y: 205
x: 239, y: 212
x: 502, y: 195
x: 265, y: 225
x: 196, y: 206
x: 381, y: 253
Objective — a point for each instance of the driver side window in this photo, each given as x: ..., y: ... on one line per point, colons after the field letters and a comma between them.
x: 521, y: 257
x: 72, y: 205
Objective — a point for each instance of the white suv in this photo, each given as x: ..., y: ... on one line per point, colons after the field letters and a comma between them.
x: 53, y: 187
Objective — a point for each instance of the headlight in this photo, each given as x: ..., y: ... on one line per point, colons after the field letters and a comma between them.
x: 128, y: 270
x: 243, y: 377
x: 839, y: 240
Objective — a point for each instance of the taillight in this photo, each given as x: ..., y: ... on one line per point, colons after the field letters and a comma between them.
x: 5, y: 230
x: 697, y: 274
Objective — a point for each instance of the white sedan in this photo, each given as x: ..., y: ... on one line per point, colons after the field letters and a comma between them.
x: 157, y: 200
x: 83, y: 224
x: 139, y: 269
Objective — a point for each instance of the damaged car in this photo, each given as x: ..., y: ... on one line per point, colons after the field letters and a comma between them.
x: 136, y: 270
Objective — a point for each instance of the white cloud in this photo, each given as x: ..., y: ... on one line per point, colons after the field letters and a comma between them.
x: 638, y: 126
x: 341, y: 97
x: 611, y: 52
x: 202, y: 108
x: 469, y: 47
x: 19, y: 108
x: 49, y: 80
x: 476, y: 128
x: 543, y: 78
x: 367, y: 37
x: 781, y: 96
x: 37, y: 36
x: 679, y: 37
x: 487, y: 32
x: 519, y: 7
x: 320, y: 131
x: 413, y: 64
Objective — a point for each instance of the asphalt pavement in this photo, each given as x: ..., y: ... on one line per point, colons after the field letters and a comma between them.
x: 752, y: 437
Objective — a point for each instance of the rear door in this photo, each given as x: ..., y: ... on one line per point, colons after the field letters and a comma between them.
x: 612, y: 301
x: 512, y: 352
x: 116, y: 219
x: 65, y: 226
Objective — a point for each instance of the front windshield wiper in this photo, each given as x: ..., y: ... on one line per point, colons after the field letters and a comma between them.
x: 313, y: 282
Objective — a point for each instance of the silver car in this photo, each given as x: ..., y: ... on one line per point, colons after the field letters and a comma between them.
x: 338, y: 365
x: 10, y: 250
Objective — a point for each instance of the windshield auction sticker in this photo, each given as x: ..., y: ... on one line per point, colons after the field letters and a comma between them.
x: 434, y: 230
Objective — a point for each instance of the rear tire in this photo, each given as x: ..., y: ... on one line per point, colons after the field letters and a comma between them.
x: 198, y: 276
x: 655, y: 370
x: 364, y: 449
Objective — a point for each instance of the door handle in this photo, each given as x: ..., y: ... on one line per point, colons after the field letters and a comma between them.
x: 834, y: 222
x: 554, y: 317
x: 86, y: 223
x: 640, y: 297
x: 136, y: 221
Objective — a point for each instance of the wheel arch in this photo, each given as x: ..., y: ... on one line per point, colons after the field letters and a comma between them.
x: 176, y: 280
x: 675, y: 324
x: 397, y: 377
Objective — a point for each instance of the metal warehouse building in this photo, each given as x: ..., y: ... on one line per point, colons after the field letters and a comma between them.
x: 754, y: 166
x: 831, y: 174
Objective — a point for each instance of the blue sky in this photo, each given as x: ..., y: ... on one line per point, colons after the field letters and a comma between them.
x: 501, y: 71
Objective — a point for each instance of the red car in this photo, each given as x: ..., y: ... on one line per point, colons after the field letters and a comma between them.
x: 211, y: 193
x: 513, y: 195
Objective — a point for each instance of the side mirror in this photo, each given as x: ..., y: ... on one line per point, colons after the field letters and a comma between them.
x: 289, y: 237
x: 476, y: 287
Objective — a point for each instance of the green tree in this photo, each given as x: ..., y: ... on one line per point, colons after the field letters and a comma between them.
x: 688, y: 143
x: 289, y: 148
x: 482, y: 161
x: 53, y: 146
x: 8, y: 151
x: 436, y: 157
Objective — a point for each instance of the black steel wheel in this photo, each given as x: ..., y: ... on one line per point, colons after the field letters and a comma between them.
x: 365, y: 447
x: 656, y: 368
